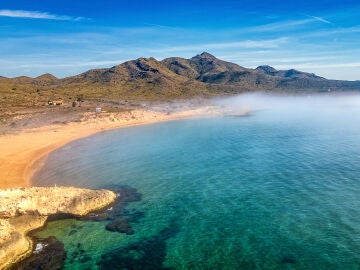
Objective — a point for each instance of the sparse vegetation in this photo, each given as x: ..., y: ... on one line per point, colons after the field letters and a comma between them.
x: 149, y: 79
x: 80, y: 97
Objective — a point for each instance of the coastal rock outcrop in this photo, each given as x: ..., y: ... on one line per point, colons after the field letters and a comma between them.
x: 25, y: 209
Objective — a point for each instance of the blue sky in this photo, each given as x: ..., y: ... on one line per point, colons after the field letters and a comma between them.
x: 68, y: 37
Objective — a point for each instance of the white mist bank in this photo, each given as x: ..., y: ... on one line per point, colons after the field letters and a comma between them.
x: 290, y: 104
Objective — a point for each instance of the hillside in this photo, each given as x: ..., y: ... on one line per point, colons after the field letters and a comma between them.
x: 171, y: 78
x: 208, y: 69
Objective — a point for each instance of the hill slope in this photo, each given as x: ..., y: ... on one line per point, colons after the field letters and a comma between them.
x: 175, y: 77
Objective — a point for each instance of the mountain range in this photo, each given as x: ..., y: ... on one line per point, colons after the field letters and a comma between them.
x: 175, y: 77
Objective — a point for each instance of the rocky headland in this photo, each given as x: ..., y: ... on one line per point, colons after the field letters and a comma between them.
x: 23, y: 210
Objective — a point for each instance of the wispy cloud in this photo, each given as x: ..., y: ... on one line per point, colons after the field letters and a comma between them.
x: 285, y: 25
x: 253, y: 60
x: 246, y: 44
x: 25, y: 14
x: 319, y: 66
x: 277, y: 26
x: 320, y: 19
x: 269, y: 43
x: 343, y: 30
x: 75, y: 64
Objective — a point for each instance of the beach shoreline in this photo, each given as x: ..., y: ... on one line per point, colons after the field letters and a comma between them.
x: 23, y: 154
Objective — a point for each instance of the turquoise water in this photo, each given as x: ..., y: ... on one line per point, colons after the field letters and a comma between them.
x: 274, y: 190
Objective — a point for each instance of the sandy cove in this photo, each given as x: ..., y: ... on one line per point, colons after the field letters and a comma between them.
x: 19, y: 152
x: 23, y: 208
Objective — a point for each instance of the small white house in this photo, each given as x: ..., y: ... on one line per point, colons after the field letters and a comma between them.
x: 98, y: 110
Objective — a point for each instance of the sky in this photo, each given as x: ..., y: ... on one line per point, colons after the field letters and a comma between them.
x: 69, y: 37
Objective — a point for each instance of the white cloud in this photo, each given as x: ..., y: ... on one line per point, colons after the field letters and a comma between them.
x: 284, y: 25
x: 253, y: 60
x: 325, y: 65
x: 270, y: 43
x: 338, y: 31
x: 245, y: 44
x: 75, y: 64
x: 277, y: 26
x: 320, y: 19
x: 36, y: 15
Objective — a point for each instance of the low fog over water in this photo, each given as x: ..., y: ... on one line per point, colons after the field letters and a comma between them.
x: 305, y: 105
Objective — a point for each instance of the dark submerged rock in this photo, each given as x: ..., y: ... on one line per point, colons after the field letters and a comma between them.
x: 85, y: 259
x: 145, y: 254
x: 72, y: 232
x: 288, y: 258
x: 121, y: 225
x: 50, y: 257
x: 119, y: 217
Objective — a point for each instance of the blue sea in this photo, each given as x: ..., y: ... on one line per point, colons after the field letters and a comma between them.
x: 276, y: 189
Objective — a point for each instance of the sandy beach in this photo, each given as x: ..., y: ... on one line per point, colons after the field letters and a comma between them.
x: 25, y: 143
x: 22, y: 152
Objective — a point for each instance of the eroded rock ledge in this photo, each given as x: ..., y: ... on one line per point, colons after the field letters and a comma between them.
x: 25, y: 209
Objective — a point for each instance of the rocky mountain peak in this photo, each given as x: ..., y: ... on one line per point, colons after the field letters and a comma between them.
x: 267, y: 69
x: 205, y: 55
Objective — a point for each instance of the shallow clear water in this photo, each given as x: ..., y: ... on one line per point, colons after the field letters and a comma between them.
x: 269, y: 191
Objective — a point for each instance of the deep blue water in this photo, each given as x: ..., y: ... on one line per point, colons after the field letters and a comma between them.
x: 274, y: 190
